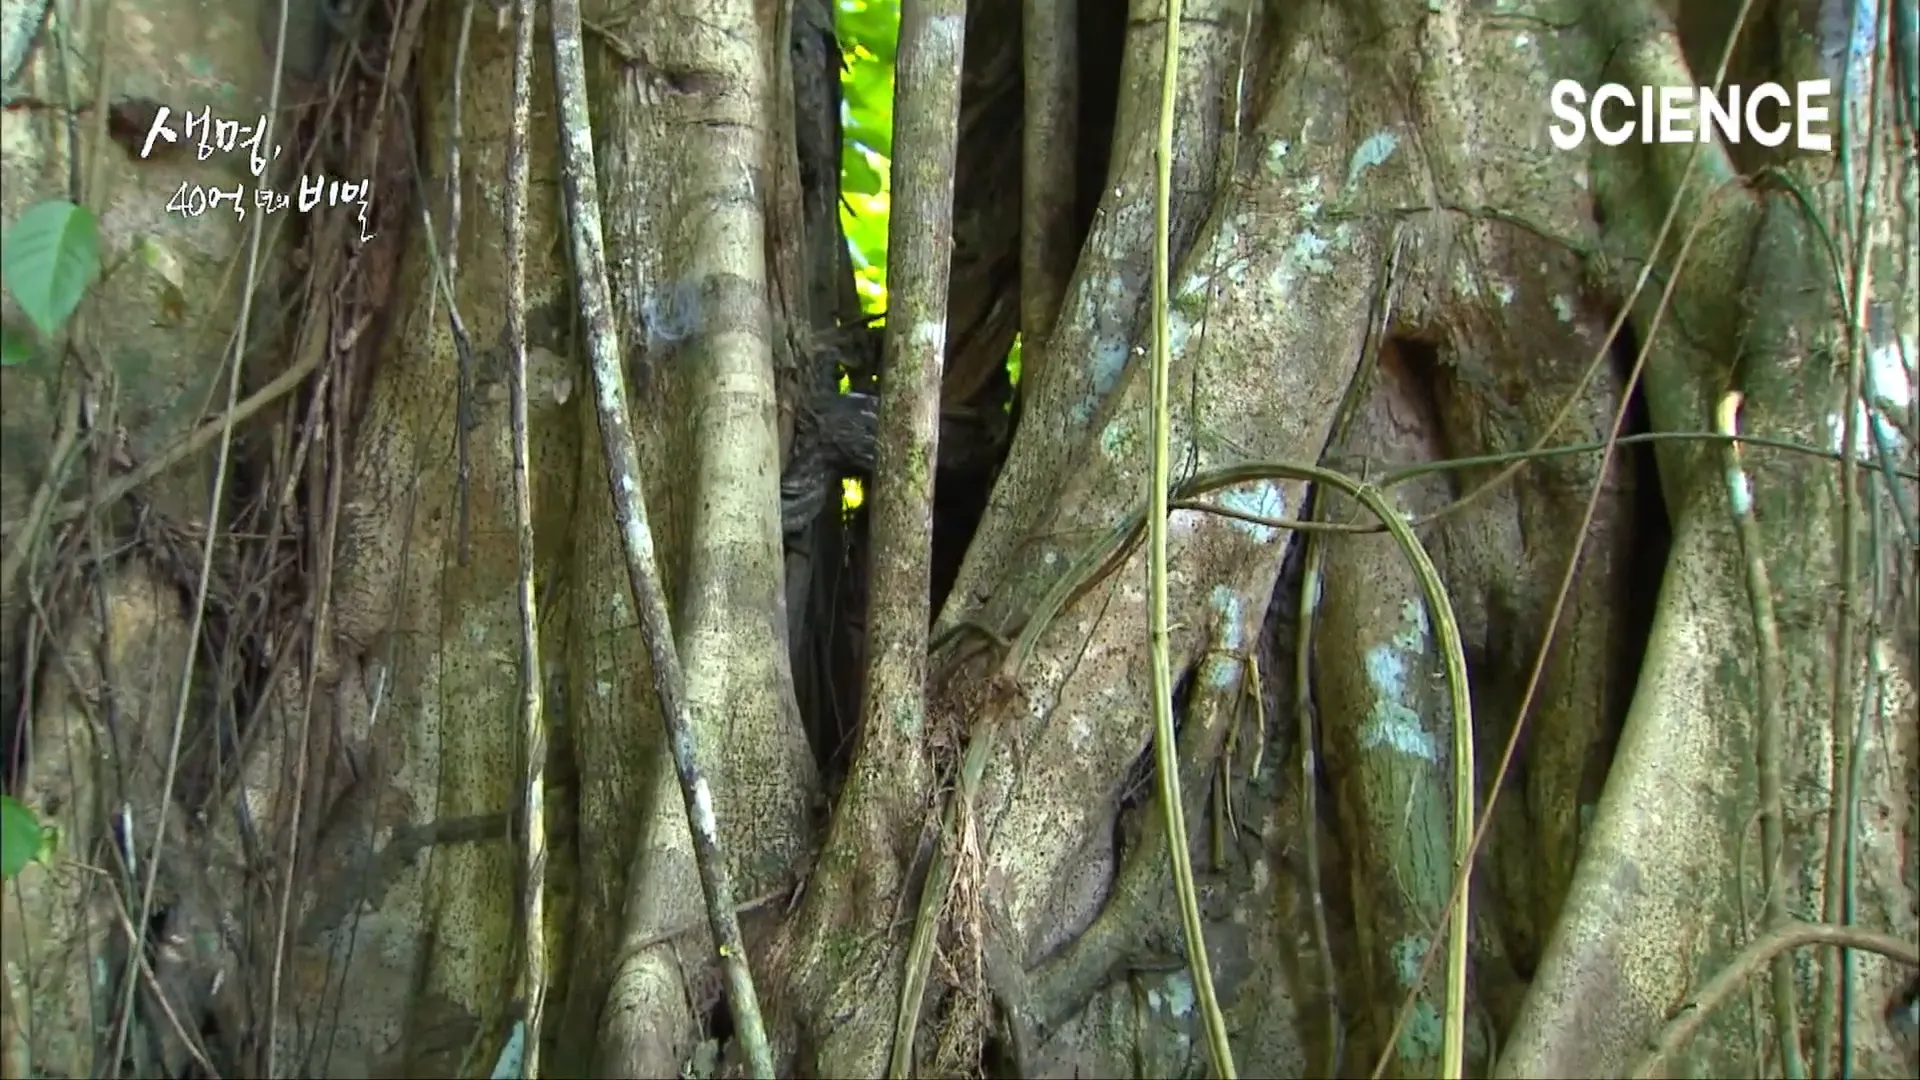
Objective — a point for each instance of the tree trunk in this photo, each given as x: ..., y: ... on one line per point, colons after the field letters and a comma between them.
x: 1380, y: 264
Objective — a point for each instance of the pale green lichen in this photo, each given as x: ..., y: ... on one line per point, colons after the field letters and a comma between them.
x: 1420, y: 1040
x: 1414, y: 630
x: 1261, y: 498
x: 1178, y: 998
x: 1393, y: 721
x: 1226, y: 605
x: 513, y: 1054
x: 1408, y: 954
x: 1372, y: 152
x: 1119, y: 441
x: 1310, y: 250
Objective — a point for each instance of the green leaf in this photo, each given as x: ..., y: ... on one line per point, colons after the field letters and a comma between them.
x: 873, y: 26
x: 50, y: 257
x: 867, y: 136
x: 868, y: 89
x: 857, y: 176
x: 19, y: 837
x: 16, y: 348
x: 868, y: 31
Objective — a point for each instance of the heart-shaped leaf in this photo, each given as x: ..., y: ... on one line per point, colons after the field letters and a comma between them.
x: 50, y: 257
x: 19, y: 837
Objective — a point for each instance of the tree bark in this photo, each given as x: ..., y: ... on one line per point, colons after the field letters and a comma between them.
x: 1381, y: 264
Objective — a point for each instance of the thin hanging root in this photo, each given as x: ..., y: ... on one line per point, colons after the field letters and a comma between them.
x: 1309, y: 776
x: 1259, y: 713
x: 1166, y: 765
x: 533, y: 830
x: 1779, y: 941
x: 1249, y: 688
x: 1772, y: 734
x: 622, y: 457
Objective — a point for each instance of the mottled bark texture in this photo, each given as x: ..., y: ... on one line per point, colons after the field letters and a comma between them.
x: 1358, y: 187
